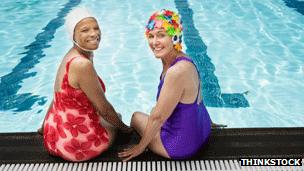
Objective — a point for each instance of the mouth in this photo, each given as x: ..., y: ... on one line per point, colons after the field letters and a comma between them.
x: 157, y: 49
x: 93, y: 40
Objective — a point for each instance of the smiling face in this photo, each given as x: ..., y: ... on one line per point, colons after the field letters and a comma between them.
x: 170, y: 22
x: 160, y: 42
x: 87, y: 33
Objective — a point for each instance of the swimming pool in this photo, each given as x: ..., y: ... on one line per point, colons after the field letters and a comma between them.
x: 249, y: 53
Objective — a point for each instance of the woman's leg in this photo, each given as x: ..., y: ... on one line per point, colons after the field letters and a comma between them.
x: 139, y: 122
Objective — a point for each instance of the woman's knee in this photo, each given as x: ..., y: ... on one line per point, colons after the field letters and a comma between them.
x: 135, y: 118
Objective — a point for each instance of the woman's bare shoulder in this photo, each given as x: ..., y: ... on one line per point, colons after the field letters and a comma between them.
x: 81, y: 64
x: 181, y: 68
x: 176, y: 74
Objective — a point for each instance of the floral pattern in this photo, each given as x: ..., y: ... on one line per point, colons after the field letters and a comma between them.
x: 72, y: 129
x: 51, y: 137
x: 75, y: 125
x: 170, y: 21
x: 80, y: 149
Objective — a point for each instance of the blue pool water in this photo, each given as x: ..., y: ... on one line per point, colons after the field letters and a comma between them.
x: 249, y: 54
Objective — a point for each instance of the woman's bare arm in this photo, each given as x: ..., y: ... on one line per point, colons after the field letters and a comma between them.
x: 87, y: 80
x: 169, y: 97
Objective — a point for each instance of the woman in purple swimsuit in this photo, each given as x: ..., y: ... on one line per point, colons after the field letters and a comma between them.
x: 179, y: 124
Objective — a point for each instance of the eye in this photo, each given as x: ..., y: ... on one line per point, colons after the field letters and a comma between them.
x: 85, y: 30
x: 96, y: 28
x: 150, y: 36
x: 161, y: 35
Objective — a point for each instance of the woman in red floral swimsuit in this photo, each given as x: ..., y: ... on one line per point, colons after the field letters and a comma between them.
x: 80, y: 123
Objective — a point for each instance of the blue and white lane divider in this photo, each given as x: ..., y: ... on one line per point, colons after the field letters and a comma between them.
x: 197, y: 49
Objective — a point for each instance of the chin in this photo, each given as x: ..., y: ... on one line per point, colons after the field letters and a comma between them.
x: 160, y: 55
x: 157, y: 55
x: 96, y: 47
x: 93, y: 47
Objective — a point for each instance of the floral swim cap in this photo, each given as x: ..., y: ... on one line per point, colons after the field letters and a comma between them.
x: 171, y: 22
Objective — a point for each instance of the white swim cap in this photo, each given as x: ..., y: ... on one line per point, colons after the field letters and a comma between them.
x: 74, y: 17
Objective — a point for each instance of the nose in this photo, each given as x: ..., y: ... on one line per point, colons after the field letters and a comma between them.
x: 155, y: 41
x: 94, y: 33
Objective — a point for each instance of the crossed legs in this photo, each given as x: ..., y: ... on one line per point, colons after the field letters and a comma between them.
x: 139, y: 122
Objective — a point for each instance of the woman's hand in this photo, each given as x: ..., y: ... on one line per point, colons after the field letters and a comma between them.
x: 40, y: 131
x: 131, y: 152
x: 127, y: 130
x: 217, y: 126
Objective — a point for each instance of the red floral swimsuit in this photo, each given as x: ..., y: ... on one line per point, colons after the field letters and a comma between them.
x: 72, y: 128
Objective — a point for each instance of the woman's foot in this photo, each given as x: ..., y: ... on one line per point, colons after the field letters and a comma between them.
x: 217, y: 126
x: 40, y: 131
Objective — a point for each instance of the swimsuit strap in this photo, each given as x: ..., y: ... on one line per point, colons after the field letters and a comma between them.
x: 66, y: 74
x: 182, y: 58
x: 198, y: 91
x: 68, y: 64
x: 189, y: 60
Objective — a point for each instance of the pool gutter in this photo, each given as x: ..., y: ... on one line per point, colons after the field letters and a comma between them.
x: 224, y: 144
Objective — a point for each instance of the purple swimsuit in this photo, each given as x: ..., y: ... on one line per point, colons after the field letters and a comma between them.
x: 187, y: 128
